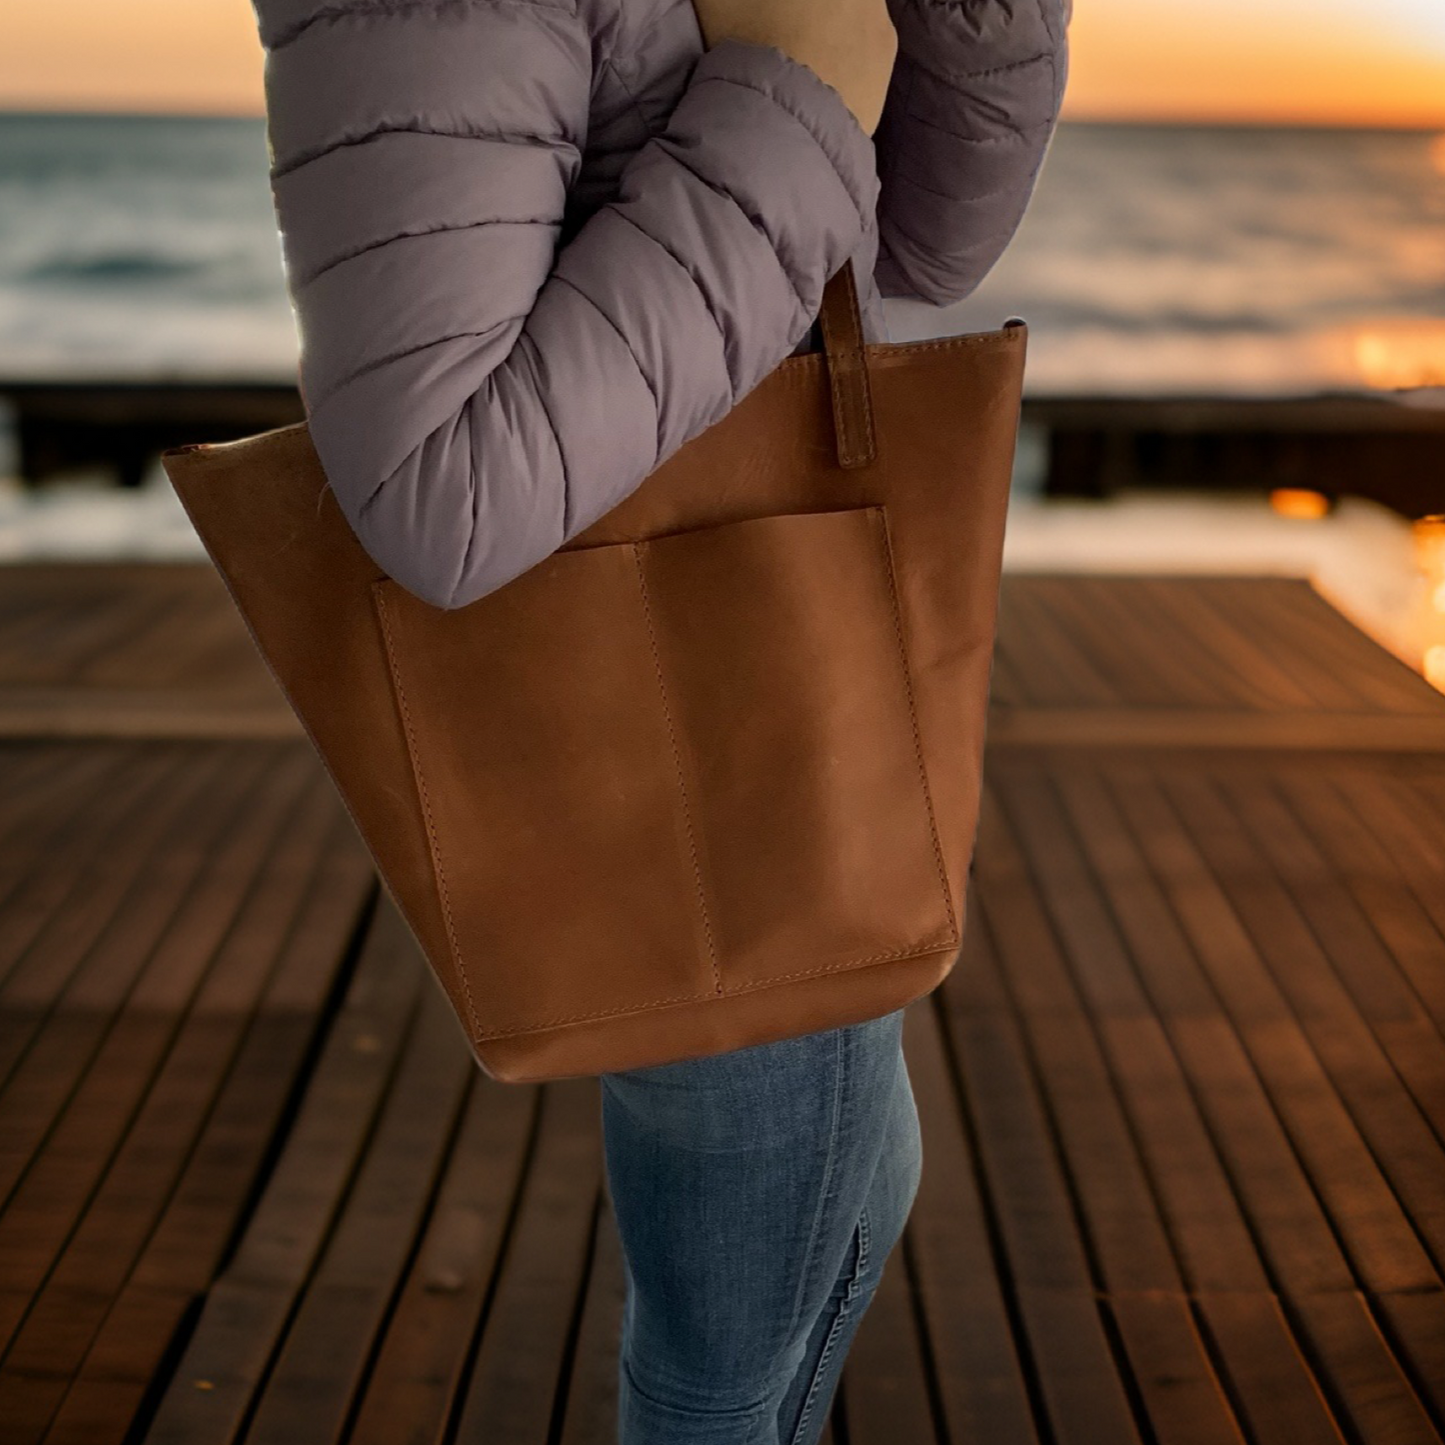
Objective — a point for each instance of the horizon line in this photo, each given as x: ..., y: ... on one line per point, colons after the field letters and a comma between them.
x: 1200, y: 121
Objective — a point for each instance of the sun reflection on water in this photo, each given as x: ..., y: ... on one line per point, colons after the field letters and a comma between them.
x: 1406, y: 356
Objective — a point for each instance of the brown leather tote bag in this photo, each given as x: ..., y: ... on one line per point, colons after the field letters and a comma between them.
x: 708, y: 775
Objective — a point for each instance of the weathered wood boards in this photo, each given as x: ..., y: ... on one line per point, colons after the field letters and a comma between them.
x: 1183, y: 1097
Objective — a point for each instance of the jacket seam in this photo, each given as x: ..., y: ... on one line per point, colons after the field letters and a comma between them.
x: 525, y: 338
x: 374, y: 365
x: 465, y: 565
x: 954, y: 79
x: 701, y: 290
x: 756, y: 221
x: 631, y: 351
x: 525, y: 138
x: 308, y: 277
x: 329, y: 14
x: 1013, y: 134
x: 812, y: 134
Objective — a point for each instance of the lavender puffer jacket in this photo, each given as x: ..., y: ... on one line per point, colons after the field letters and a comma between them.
x: 534, y: 246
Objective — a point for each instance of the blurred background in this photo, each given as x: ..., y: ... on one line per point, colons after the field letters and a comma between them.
x: 1233, y: 270
x: 1183, y: 1100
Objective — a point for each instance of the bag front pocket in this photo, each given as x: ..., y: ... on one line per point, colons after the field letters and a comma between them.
x: 669, y: 769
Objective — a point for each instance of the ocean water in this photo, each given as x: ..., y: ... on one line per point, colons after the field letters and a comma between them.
x: 1153, y: 259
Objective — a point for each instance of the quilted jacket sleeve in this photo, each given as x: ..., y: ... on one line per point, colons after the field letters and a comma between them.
x: 477, y: 392
x: 971, y: 106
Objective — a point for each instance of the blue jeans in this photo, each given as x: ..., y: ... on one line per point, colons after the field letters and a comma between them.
x: 757, y: 1195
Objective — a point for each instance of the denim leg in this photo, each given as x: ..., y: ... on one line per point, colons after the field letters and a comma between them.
x: 738, y: 1182
x: 805, y: 1408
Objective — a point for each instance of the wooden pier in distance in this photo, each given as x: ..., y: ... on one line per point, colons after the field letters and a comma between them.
x: 1183, y: 1096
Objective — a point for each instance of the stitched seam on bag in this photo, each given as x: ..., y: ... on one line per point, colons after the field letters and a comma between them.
x: 913, y: 718
x: 841, y: 416
x: 993, y: 338
x: 862, y: 362
x: 677, y: 761
x: 913, y: 951
x: 854, y: 448
x: 798, y: 370
x: 434, y: 844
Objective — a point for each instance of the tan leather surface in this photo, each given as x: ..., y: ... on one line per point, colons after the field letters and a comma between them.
x: 709, y: 774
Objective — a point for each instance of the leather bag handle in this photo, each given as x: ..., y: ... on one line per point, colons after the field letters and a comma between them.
x: 847, y: 363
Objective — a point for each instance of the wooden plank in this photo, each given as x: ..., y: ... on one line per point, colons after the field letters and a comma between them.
x: 1005, y: 684
x: 430, y: 1339
x: 1419, y: 1321
x: 109, y: 1007
x: 183, y: 713
x: 132, y: 614
x: 1296, y: 612
x: 1183, y: 1398
x: 131, y: 650
x: 1403, y: 825
x: 1345, y: 1172
x: 1249, y: 671
x: 59, y: 1005
x: 173, y: 645
x: 1338, y: 810
x: 37, y: 782
x: 67, y: 864
x: 525, y: 1347
x: 1364, y: 1378
x: 1277, y: 1395
x: 1288, y: 1223
x: 67, y: 635
x: 591, y: 1404
x: 1326, y: 654
x: 222, y: 1370
x: 48, y: 793
x: 61, y: 914
x: 1360, y: 1370
x: 1206, y: 1227
x: 1054, y: 670
x: 1343, y: 985
x: 1284, y: 1211
x: 1127, y: 663
x: 1293, y: 1231
x: 1117, y: 1214
x: 1166, y: 1359
x: 54, y: 1193
x: 1169, y: 654
x: 202, y: 1216
x: 1045, y: 1256
x: 321, y: 1366
x: 69, y: 1308
x: 1165, y: 728
x: 981, y: 1386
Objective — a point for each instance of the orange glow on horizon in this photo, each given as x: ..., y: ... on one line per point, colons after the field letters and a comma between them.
x: 1222, y: 60
x: 1408, y: 354
x: 185, y: 56
x: 1306, y: 61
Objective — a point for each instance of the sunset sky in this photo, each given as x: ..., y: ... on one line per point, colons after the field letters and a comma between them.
x: 1352, y: 62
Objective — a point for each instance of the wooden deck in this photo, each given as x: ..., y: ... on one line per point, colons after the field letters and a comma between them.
x: 1183, y: 1097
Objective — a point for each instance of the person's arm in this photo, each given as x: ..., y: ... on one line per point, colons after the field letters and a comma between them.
x: 971, y: 107
x: 476, y: 395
